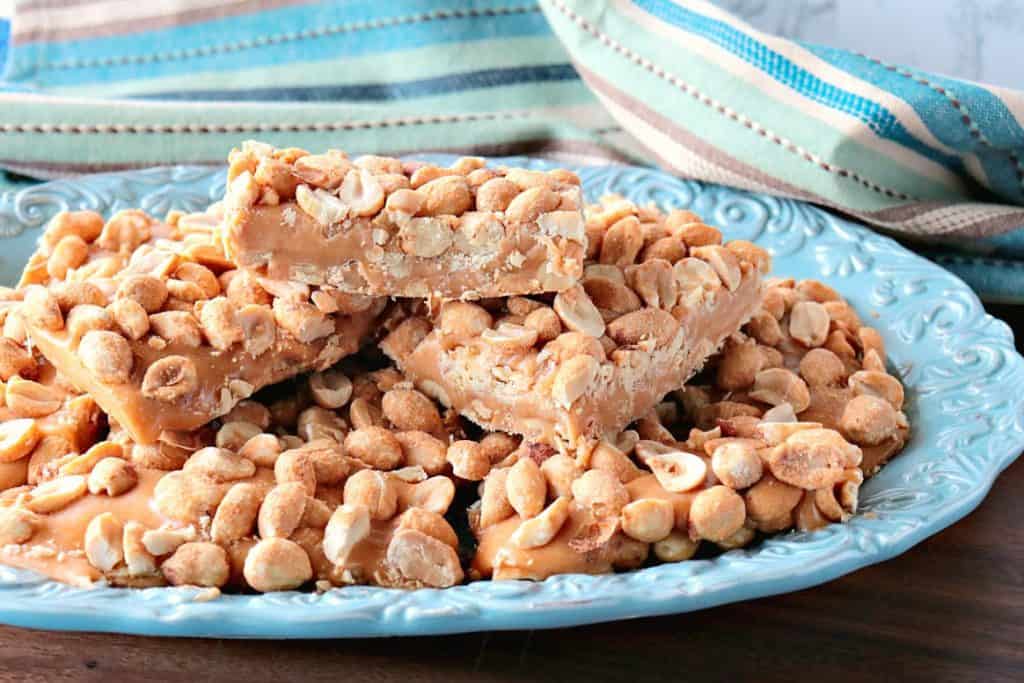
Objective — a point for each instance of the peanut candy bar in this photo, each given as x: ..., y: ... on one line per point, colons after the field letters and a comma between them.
x: 336, y: 481
x: 659, y: 295
x: 376, y: 226
x: 43, y: 417
x: 155, y: 324
x: 798, y: 409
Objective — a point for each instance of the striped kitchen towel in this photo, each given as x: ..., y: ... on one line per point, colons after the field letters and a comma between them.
x: 102, y: 84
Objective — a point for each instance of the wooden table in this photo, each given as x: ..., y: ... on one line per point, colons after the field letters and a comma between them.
x: 950, y: 609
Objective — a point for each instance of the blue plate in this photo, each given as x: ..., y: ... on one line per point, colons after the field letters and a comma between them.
x: 961, y: 370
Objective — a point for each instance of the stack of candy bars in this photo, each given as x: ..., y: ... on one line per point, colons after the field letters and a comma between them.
x: 370, y: 371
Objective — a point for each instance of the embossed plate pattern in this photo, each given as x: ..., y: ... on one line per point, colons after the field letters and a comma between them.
x: 959, y: 364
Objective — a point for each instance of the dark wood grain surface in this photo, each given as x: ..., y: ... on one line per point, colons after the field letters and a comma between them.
x: 951, y: 609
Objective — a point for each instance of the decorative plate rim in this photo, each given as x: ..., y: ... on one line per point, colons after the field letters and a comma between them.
x: 967, y: 429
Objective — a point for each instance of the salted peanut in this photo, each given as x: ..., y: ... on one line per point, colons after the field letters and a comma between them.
x: 125, y: 231
x: 262, y: 449
x: 282, y: 510
x: 573, y: 379
x: 676, y: 547
x: 809, y: 323
x: 170, y: 379
x: 542, y: 529
x: 160, y: 542
x: 863, y: 383
x: 765, y: 329
x: 42, y: 308
x: 608, y: 457
x: 497, y: 445
x: 426, y: 237
x: 220, y: 464
x: 434, y: 494
x: 407, y: 201
x: 445, y: 196
x: 739, y: 366
x: 103, y: 544
x: 409, y: 410
x: 545, y: 322
x: 578, y: 312
x: 348, y: 526
x: 526, y: 488
x: 648, y: 519
x: 423, y: 560
x: 236, y: 514
x: 736, y: 464
x: 177, y: 327
x: 259, y: 326
x: 461, y: 320
x: 655, y: 281
x: 234, y: 435
x: 15, y: 359
x: 148, y: 291
x: 420, y: 449
x: 56, y: 494
x: 316, y: 423
x: 560, y: 471
x: 130, y: 318
x: 185, y: 496
x: 774, y: 433
x: 740, y: 539
x: 770, y: 504
x: 872, y: 362
x: 776, y: 386
x: 871, y: 340
x: 531, y: 204
x: 678, y: 471
x: 622, y: 242
x: 716, y: 514
x: 375, y: 446
x: 647, y: 324
x: 86, y: 225
x: 839, y: 344
x: 322, y: 170
x: 611, y: 294
x: 496, y: 194
x: 197, y: 564
x: 17, y: 525
x: 327, y: 456
x: 362, y: 193
x: 723, y: 262
x: 601, y: 492
x: 468, y: 460
x: 84, y: 318
x: 331, y: 389
x: 375, y: 491
x: 751, y: 253
x: 430, y: 523
x: 842, y: 313
x: 817, y: 291
x: 780, y: 413
x: 363, y: 415
x: 249, y: 411
x: 107, y: 355
x: 31, y: 399
x: 302, y: 320
x: 510, y: 336
x: 296, y: 465
x: 112, y: 476
x: 325, y: 208
x: 814, y: 458
x: 669, y: 248
x: 138, y: 561
x: 869, y: 420
x: 821, y: 367
x: 494, y: 504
